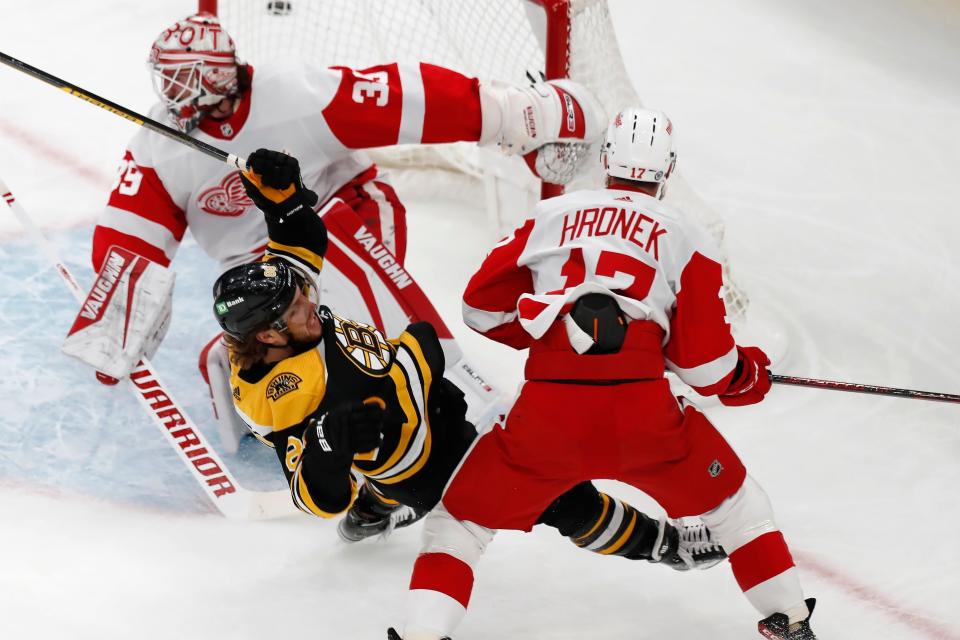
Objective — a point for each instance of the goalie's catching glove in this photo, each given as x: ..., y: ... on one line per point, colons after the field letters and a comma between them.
x: 521, y: 119
x: 273, y: 182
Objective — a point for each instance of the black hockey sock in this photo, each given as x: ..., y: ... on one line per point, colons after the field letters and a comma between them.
x: 620, y: 530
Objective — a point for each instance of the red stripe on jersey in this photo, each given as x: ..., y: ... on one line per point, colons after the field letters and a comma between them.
x: 699, y: 332
x: 760, y: 559
x: 443, y: 573
x: 366, y: 110
x: 511, y: 334
x: 452, y: 111
x: 140, y: 191
x: 499, y: 282
x: 105, y: 237
x: 530, y: 309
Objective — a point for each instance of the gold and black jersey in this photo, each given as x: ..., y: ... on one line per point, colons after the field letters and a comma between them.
x: 355, y: 362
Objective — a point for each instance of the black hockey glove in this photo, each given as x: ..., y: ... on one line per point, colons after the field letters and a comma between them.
x: 447, y: 403
x: 346, y: 430
x: 273, y: 182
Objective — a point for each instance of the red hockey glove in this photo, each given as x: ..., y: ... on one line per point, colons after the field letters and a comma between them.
x: 751, y: 380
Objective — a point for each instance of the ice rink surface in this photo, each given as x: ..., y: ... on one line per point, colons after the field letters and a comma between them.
x: 826, y: 133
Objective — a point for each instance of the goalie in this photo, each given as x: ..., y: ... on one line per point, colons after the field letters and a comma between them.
x: 325, y: 117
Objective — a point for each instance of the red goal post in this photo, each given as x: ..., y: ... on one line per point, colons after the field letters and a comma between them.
x: 490, y: 39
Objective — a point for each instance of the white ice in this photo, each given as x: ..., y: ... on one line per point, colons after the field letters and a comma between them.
x: 826, y: 133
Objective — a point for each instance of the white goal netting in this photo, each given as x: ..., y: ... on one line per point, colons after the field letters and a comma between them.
x: 490, y: 39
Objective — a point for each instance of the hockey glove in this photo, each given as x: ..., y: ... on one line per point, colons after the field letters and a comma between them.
x: 520, y: 119
x: 346, y: 430
x: 273, y: 182
x: 751, y: 380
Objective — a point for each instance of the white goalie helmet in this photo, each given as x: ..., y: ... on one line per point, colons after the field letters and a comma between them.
x: 639, y: 147
x: 194, y: 67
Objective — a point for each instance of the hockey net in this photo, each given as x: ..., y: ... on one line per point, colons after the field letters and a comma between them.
x: 508, y: 40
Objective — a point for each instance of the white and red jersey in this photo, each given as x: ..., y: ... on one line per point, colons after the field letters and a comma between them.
x: 319, y: 115
x: 662, y: 268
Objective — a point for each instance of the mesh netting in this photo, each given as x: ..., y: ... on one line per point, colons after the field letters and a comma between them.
x: 489, y: 39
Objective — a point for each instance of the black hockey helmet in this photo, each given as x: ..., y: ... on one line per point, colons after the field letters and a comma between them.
x: 254, y: 296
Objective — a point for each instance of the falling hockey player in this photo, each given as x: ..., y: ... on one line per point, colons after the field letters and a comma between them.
x: 341, y: 403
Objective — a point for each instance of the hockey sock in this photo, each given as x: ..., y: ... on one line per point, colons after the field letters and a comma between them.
x: 618, y: 529
x: 440, y: 590
x: 759, y: 556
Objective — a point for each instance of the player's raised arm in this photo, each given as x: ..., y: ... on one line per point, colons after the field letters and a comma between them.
x: 411, y: 104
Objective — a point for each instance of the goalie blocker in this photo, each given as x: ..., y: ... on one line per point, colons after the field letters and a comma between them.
x: 124, y: 316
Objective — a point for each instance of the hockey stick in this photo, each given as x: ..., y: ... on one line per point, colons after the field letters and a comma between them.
x: 864, y: 388
x: 171, y: 418
x: 123, y: 112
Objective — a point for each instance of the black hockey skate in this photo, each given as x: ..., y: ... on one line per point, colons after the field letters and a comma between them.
x: 369, y: 516
x: 686, y: 547
x: 393, y: 635
x: 777, y: 626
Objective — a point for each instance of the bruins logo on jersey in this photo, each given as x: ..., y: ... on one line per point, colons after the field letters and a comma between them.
x: 282, y: 384
x: 365, y: 345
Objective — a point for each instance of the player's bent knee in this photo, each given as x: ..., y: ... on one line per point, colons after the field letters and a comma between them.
x: 465, y: 541
x: 741, y: 518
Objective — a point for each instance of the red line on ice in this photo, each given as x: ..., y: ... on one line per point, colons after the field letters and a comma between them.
x: 870, y: 597
x: 42, y: 148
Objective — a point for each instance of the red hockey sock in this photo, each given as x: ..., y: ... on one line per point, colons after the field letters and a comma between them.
x: 444, y: 573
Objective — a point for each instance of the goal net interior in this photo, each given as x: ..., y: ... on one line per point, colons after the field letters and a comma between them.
x: 509, y: 40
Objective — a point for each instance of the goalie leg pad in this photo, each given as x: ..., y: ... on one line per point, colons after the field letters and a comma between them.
x: 125, y: 316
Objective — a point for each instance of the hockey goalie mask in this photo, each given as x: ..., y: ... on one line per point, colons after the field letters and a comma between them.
x: 639, y: 147
x: 255, y: 296
x: 194, y: 67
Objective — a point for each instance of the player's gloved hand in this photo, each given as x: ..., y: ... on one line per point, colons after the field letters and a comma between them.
x: 348, y: 429
x: 447, y: 404
x: 751, y: 380
x: 273, y: 182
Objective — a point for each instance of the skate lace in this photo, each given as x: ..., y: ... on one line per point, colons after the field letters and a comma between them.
x: 696, y: 540
x: 399, y: 518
